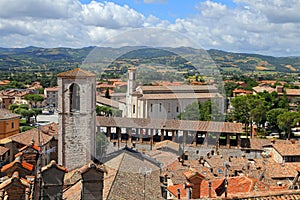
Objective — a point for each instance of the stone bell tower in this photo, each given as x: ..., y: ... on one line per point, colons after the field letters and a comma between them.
x: 77, y: 118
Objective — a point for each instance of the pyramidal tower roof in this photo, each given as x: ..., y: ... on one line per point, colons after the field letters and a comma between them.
x: 77, y: 72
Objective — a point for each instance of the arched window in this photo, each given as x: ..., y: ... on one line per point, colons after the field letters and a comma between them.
x: 74, y: 97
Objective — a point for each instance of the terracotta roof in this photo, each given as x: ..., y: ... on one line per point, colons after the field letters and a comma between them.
x: 292, y: 92
x: 182, y: 96
x: 107, y: 102
x: 164, y: 157
x: 263, y: 88
x: 242, y: 91
x: 16, y: 162
x: 77, y: 72
x: 238, y: 184
x: 6, y: 114
x: 30, y: 146
x: 130, y: 177
x: 73, y: 192
x: 3, y: 150
x: 13, y: 180
x: 53, y: 164
x: 287, y: 148
x: 169, y: 124
x: 52, y: 89
x: 258, y: 144
x: 44, y: 133
x: 167, y: 144
x: 91, y: 165
x: 181, y: 88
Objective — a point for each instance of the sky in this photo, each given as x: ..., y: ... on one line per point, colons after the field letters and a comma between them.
x: 269, y: 27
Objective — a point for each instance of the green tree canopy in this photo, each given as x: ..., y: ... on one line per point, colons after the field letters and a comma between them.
x: 34, y: 98
x: 287, y: 120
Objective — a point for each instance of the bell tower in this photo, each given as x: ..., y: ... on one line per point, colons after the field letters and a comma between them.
x: 77, y: 118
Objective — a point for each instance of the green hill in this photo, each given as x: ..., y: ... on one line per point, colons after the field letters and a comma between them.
x: 59, y: 59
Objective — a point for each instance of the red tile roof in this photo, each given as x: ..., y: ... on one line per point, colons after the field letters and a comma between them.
x: 53, y: 164
x: 238, y: 184
x: 287, y: 148
x: 6, y: 114
x: 169, y: 124
x: 43, y: 133
x: 77, y: 72
x: 16, y: 162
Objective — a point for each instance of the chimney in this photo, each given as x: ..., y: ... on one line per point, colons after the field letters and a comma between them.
x: 293, y: 141
x: 273, y: 141
x: 52, y: 181
x: 201, y: 160
x: 209, y: 189
x: 178, y: 193
x: 208, y: 155
x: 195, y: 179
x: 92, y: 181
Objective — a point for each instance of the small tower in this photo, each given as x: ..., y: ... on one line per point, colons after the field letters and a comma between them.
x: 131, y: 101
x: 131, y: 83
x: 77, y: 118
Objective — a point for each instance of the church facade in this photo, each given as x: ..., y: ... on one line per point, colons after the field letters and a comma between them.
x: 164, y: 102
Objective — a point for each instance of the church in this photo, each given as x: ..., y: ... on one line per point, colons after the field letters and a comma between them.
x: 164, y: 102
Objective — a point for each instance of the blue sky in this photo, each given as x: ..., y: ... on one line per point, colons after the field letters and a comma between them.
x: 253, y: 26
x: 166, y: 10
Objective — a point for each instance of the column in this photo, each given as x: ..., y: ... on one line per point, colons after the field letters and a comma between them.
x: 195, y: 139
x: 151, y: 138
x: 227, y: 140
x: 239, y: 141
x: 129, y: 132
x: 173, y: 135
x: 118, y: 135
x: 140, y: 136
x: 162, y: 137
x: 108, y: 132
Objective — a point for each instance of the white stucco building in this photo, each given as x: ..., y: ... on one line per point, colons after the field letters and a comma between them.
x: 164, y: 102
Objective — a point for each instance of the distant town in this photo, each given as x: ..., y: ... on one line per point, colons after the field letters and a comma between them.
x: 151, y: 124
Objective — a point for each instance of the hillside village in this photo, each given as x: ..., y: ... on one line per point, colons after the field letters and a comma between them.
x: 162, y: 152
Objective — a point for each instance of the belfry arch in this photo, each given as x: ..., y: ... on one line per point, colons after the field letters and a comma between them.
x: 74, y: 93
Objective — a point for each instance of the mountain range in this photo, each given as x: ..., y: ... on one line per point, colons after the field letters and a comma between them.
x: 48, y: 59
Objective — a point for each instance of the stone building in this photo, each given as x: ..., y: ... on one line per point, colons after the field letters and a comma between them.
x: 77, y: 101
x: 9, y: 123
x: 164, y: 102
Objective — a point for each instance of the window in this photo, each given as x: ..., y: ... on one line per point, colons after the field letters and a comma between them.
x: 12, y: 125
x: 74, y: 97
x: 177, y: 109
x: 151, y: 107
x: 160, y: 107
x: 133, y: 109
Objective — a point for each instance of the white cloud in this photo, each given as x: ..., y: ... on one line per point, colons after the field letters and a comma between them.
x: 277, y: 11
x: 155, y: 1
x: 110, y: 15
x: 268, y: 27
x: 38, y: 8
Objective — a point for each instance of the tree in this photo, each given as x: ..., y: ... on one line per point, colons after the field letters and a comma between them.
x: 25, y: 113
x: 12, y: 107
x: 205, y: 111
x: 272, y: 117
x: 287, y: 120
x: 36, y: 112
x: 34, y: 98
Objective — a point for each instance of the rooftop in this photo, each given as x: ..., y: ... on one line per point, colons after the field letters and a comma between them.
x: 170, y: 124
x: 77, y: 72
x: 6, y: 114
